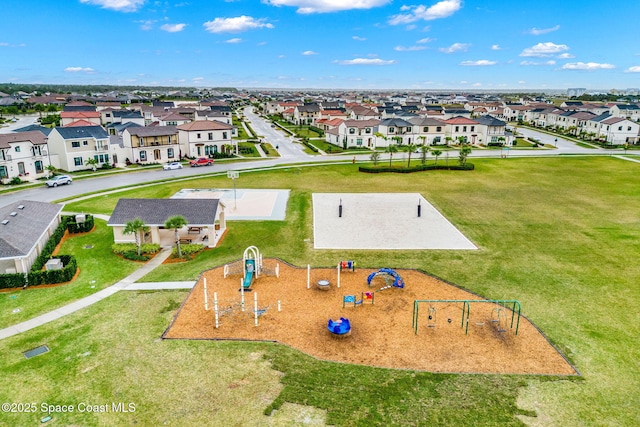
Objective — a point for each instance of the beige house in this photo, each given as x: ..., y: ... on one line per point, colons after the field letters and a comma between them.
x: 151, y: 144
x: 205, y: 138
x: 205, y: 220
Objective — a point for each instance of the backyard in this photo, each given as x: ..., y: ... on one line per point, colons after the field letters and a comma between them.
x: 556, y: 234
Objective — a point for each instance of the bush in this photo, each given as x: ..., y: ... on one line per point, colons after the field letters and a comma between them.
x: 311, y: 147
x: 188, y: 249
x: 15, y: 180
x: 14, y: 280
x: 73, y: 227
x: 133, y: 256
x: 145, y: 248
x: 40, y: 277
x: 419, y: 168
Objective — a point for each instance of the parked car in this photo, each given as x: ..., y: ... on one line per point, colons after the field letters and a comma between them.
x: 201, y: 161
x: 172, y: 166
x: 58, y: 180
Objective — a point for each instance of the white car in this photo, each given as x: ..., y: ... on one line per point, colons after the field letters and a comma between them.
x: 172, y: 165
x: 58, y: 180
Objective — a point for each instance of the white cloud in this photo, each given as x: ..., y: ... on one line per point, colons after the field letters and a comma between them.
x: 321, y: 6
x: 456, y: 47
x: 479, y: 63
x: 234, y: 40
x: 527, y: 63
x: 495, y: 47
x: 197, y: 79
x: 425, y: 40
x: 173, y: 28
x: 309, y: 53
x: 442, y: 9
x: 540, y: 31
x: 587, y: 66
x: 365, y: 61
x: 360, y: 39
x: 118, y: 5
x: 544, y: 49
x: 409, y: 48
x: 566, y: 56
x: 146, y: 25
x: 634, y: 69
x: 236, y: 25
x: 79, y: 70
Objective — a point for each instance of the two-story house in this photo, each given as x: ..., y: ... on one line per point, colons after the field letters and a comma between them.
x: 73, y: 146
x: 206, y: 138
x: 23, y: 155
x: 151, y: 144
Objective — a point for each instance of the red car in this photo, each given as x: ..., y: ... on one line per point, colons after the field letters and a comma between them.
x: 201, y: 161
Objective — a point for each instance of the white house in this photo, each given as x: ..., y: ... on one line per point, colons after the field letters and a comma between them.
x: 428, y: 131
x: 151, y: 144
x: 394, y: 131
x: 353, y: 133
x: 73, y: 146
x: 619, y: 131
x: 23, y: 155
x: 205, y: 138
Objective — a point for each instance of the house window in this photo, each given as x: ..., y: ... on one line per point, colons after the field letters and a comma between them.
x: 439, y: 129
x: 77, y: 161
x: 352, y: 131
x: 170, y: 153
x: 408, y: 128
x: 3, y: 172
x: 457, y: 128
x: 367, y: 130
x: 38, y: 165
x: 75, y: 144
x: 464, y: 128
x: 224, y: 135
x: 85, y: 143
x: 359, y: 141
x: 143, y: 156
x: 392, y: 130
x: 629, y: 128
x: 473, y: 128
x: 141, y: 142
x: 210, y: 136
x: 619, y: 127
x: 425, y: 129
x: 198, y: 135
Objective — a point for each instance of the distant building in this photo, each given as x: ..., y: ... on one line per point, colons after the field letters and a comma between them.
x: 576, y: 91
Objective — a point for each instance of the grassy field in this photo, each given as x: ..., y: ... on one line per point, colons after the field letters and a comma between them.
x: 560, y: 235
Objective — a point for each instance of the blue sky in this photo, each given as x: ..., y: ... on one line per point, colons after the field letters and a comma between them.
x: 332, y: 44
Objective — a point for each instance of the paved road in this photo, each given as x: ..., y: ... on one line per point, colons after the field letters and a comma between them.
x: 287, y: 149
x: 291, y: 153
x: 23, y: 121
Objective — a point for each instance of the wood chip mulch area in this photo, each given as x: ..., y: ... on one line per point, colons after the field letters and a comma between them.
x: 381, y: 335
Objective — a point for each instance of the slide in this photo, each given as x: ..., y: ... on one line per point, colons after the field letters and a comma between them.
x: 248, y: 273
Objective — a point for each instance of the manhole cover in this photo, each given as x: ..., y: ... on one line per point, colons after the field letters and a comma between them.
x: 36, y: 351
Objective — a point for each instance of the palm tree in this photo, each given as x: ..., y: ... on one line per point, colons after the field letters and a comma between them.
x: 436, y: 154
x: 375, y: 156
x: 465, y: 150
x: 424, y: 149
x: 91, y: 162
x: 410, y: 149
x: 134, y: 227
x: 51, y: 170
x: 176, y: 223
x: 391, y: 149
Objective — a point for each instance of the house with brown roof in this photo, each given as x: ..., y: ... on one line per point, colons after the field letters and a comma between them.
x: 150, y: 144
x: 462, y: 127
x: 23, y: 155
x: 206, y: 138
x: 205, y: 220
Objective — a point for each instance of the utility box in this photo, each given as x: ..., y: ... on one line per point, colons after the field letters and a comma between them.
x: 54, y: 264
x: 81, y: 218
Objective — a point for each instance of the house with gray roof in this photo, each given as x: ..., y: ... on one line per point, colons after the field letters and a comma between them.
x: 25, y: 227
x: 205, y: 220
x: 71, y: 147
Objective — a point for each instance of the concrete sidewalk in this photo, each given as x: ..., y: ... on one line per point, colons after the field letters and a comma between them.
x: 128, y: 283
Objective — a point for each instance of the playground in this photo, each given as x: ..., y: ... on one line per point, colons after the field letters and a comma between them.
x: 304, y: 308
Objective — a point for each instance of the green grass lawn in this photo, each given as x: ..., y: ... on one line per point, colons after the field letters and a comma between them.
x: 558, y: 234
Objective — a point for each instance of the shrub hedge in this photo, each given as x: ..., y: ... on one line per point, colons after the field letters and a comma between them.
x: 12, y: 280
x: 419, y: 168
x: 82, y: 227
x: 188, y: 249
x: 311, y: 147
x: 65, y: 274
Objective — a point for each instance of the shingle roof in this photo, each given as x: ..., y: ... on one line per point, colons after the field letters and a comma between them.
x: 395, y: 122
x: 490, y: 121
x: 35, y: 137
x: 152, y: 130
x: 22, y: 231
x: 45, y: 130
x: 157, y: 211
x: 82, y: 132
